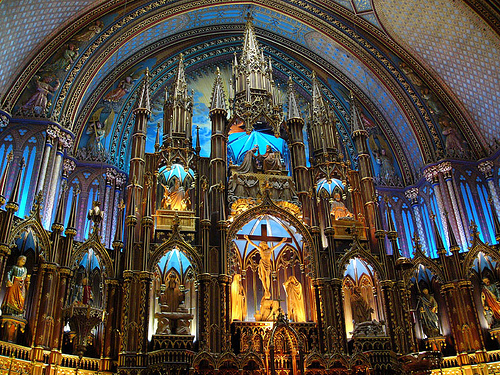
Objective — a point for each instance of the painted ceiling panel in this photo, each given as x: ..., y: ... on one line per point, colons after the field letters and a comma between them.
x: 458, y: 45
x: 25, y: 24
x: 373, y: 88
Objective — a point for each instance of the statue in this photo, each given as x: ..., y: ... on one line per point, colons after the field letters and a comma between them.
x: 295, y: 299
x: 264, y: 267
x: 17, y: 284
x: 172, y: 297
x: 83, y: 293
x: 91, y: 31
x: 361, y: 310
x: 428, y: 313
x: 271, y: 160
x: 339, y: 210
x: 386, y: 168
x: 453, y: 139
x: 238, y: 299
x: 65, y: 60
x: 175, y: 198
x: 248, y: 163
x: 490, y: 296
x: 37, y: 104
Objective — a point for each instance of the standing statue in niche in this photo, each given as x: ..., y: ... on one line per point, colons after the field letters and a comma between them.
x: 295, y: 299
x: 428, y: 313
x: 264, y: 267
x: 17, y: 284
x: 490, y: 296
x: 172, y: 298
x: 361, y: 310
x: 238, y: 299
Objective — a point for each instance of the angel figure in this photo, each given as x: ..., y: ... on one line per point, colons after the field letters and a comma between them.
x: 124, y: 86
x: 91, y: 31
x: 383, y: 157
x: 98, y: 130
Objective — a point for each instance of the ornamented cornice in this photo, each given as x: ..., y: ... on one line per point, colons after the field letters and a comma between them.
x: 486, y: 168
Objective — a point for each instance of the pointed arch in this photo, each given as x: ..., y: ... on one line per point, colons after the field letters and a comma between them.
x: 357, y: 251
x: 94, y: 243
x: 477, y: 247
x: 268, y: 207
x: 252, y: 357
x: 175, y: 241
x: 33, y: 222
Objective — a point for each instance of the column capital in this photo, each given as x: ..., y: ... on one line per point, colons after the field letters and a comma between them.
x: 430, y: 173
x: 412, y: 195
x: 65, y: 139
x: 69, y: 166
x: 445, y: 168
x: 110, y: 175
x: 486, y: 168
x: 120, y: 179
x: 53, y: 131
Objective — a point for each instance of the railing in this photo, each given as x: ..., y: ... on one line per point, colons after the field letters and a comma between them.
x: 85, y: 363
x: 17, y: 351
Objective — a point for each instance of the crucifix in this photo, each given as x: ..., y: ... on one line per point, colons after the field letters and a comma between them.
x: 265, y: 263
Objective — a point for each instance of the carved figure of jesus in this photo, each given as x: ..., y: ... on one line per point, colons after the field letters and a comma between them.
x: 264, y: 267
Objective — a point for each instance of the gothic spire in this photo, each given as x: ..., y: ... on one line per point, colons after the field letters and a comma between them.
x: 390, y: 223
x: 3, y: 180
x: 451, y: 235
x: 118, y: 240
x: 293, y: 108
x: 180, y: 86
x: 218, y: 99
x: 356, y: 120
x: 59, y: 219
x: 14, y: 195
x: 143, y: 101
x: 437, y: 237
x: 318, y: 105
x: 251, y: 57
x: 72, y: 214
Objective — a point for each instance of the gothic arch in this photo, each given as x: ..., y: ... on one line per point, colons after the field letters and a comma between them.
x: 268, y: 207
x: 477, y: 247
x: 33, y: 221
x: 174, y: 241
x: 357, y: 251
x: 204, y: 356
x: 428, y: 263
x: 251, y: 357
x: 94, y: 243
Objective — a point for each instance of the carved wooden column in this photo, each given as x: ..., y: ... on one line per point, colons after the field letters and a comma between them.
x: 107, y: 219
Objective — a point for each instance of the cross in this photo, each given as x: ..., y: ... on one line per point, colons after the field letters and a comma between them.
x: 263, y: 236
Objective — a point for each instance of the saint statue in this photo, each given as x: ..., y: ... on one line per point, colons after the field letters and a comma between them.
x: 361, y: 310
x: 428, y: 313
x: 172, y: 298
x: 295, y: 299
x: 17, y: 284
x: 175, y: 198
x: 490, y: 296
x: 339, y: 210
x: 264, y: 267
x: 271, y: 160
x: 238, y: 299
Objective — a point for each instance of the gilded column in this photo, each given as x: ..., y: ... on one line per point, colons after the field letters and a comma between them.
x: 120, y: 180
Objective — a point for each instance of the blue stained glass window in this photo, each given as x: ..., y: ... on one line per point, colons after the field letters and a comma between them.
x: 3, y: 156
x: 426, y: 221
x: 435, y: 210
x: 486, y: 209
x: 409, y: 230
x: 470, y: 206
x: 27, y: 176
x: 69, y: 200
x: 396, y: 225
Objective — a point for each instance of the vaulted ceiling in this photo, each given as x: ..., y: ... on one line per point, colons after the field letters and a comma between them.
x: 418, y: 68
